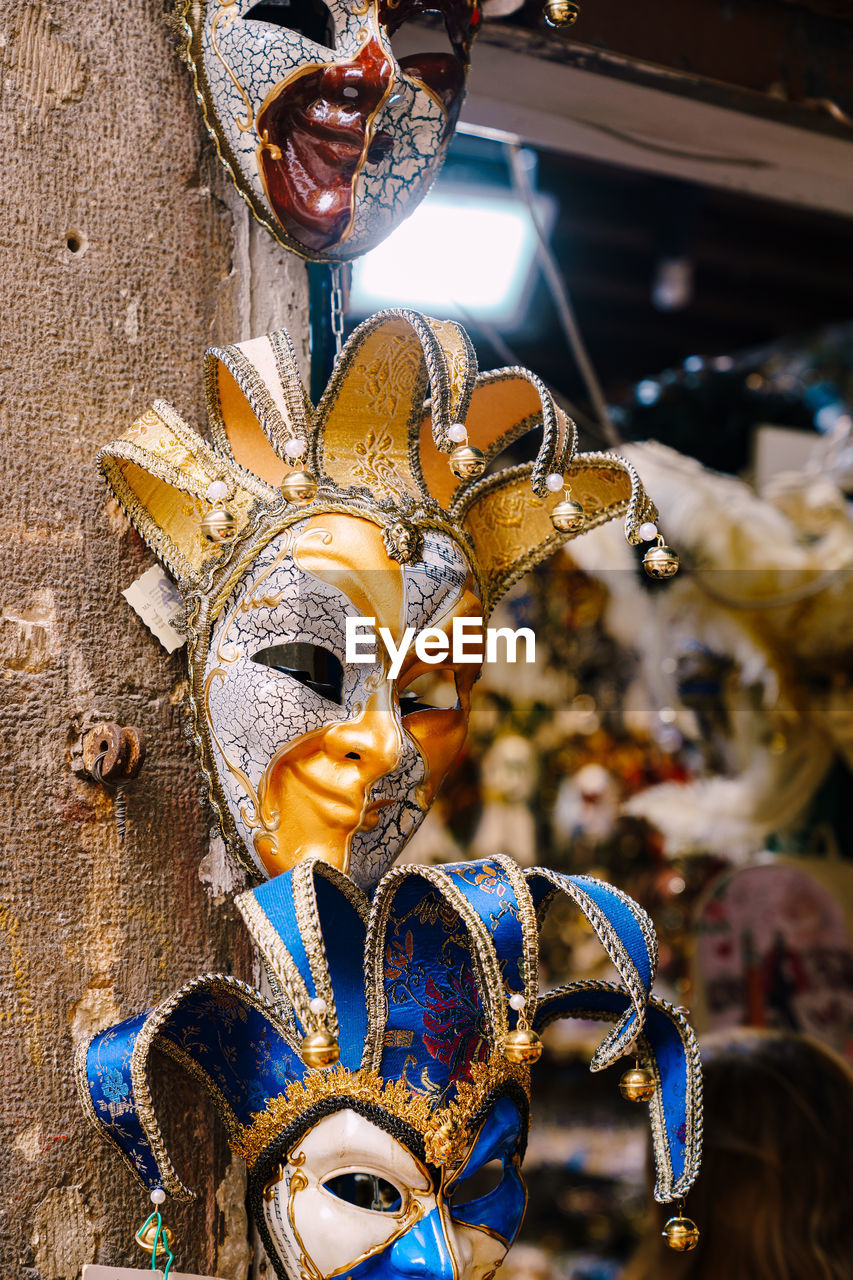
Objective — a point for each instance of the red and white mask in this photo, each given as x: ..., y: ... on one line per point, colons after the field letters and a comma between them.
x: 329, y: 137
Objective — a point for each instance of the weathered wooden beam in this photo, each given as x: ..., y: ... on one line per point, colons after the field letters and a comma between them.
x: 123, y: 259
x: 588, y: 102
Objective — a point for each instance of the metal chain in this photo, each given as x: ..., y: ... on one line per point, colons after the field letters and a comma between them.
x: 337, y: 301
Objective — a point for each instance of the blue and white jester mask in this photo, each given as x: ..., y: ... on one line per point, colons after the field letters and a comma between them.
x: 396, y: 1149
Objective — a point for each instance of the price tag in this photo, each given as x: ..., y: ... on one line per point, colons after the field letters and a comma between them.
x: 157, y: 600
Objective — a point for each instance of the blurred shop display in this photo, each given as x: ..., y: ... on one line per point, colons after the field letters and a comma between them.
x: 773, y: 950
x: 692, y: 744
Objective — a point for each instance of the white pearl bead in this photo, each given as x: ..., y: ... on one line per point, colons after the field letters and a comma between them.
x: 294, y: 448
x: 318, y: 1005
x: 517, y: 1001
x: 216, y: 491
x: 554, y: 482
x: 158, y: 1195
x: 648, y: 531
x: 458, y: 433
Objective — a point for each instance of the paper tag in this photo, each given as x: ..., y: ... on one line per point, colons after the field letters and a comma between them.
x: 94, y: 1271
x: 156, y: 599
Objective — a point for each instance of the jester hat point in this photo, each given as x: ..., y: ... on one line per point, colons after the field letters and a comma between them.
x: 425, y: 1092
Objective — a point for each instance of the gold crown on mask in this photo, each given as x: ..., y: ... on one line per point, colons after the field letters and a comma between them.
x: 405, y: 400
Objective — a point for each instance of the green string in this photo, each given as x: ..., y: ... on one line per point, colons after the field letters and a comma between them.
x: 169, y: 1258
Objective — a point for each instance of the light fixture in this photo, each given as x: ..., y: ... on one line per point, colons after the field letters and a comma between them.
x: 672, y: 288
x: 462, y: 254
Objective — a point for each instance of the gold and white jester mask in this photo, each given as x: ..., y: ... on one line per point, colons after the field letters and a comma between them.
x: 329, y: 137
x: 304, y: 752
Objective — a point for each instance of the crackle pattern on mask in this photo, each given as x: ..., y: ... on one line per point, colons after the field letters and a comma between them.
x: 432, y: 586
x: 256, y: 713
x: 352, y: 1199
x: 353, y: 139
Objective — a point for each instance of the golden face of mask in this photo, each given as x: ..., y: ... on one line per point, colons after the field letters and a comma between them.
x: 315, y: 754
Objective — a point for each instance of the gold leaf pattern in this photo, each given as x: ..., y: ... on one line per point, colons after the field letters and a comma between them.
x: 445, y: 1130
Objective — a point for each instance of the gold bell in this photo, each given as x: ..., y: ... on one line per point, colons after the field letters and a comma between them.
x: 660, y: 561
x: 681, y: 1234
x: 567, y: 516
x: 522, y: 1045
x: 145, y: 1238
x: 637, y: 1085
x: 299, y: 486
x: 218, y: 525
x: 320, y: 1049
x: 467, y: 462
x: 561, y: 13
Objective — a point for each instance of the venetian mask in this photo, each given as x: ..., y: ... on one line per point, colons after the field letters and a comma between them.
x: 354, y: 1199
x: 303, y: 751
x: 329, y: 137
x: 405, y: 1158
x: 315, y: 754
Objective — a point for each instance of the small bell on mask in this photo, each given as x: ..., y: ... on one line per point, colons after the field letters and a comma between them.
x: 660, y: 561
x: 568, y: 515
x: 681, y: 1233
x: 637, y: 1085
x: 522, y: 1044
x: 152, y: 1236
x: 218, y: 525
x: 149, y: 1238
x: 299, y: 486
x: 466, y: 461
x: 561, y: 13
x: 319, y: 1048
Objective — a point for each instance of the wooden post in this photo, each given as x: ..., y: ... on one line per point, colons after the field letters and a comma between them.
x: 124, y: 255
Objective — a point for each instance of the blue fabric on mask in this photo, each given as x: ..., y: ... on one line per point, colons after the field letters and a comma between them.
x: 343, y: 938
x: 435, y: 1027
x: 110, y: 1088
x: 341, y: 932
x: 489, y: 891
x: 674, y: 1059
x: 275, y: 897
x: 219, y: 1025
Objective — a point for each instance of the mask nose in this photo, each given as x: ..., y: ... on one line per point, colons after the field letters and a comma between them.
x: 375, y: 738
x: 424, y: 1251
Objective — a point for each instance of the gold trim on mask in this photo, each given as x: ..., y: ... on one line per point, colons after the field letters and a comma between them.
x: 227, y: 11
x: 445, y: 1130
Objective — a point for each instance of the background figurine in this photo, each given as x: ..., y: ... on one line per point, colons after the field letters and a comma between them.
x: 507, y: 825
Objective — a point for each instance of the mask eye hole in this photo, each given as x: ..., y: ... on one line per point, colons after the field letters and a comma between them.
x: 365, y: 1191
x: 312, y: 665
x: 430, y: 691
x: 480, y: 1183
x: 309, y: 18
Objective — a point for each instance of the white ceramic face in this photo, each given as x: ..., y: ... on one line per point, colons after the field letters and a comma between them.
x: 333, y: 138
x: 314, y: 754
x: 354, y: 1201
